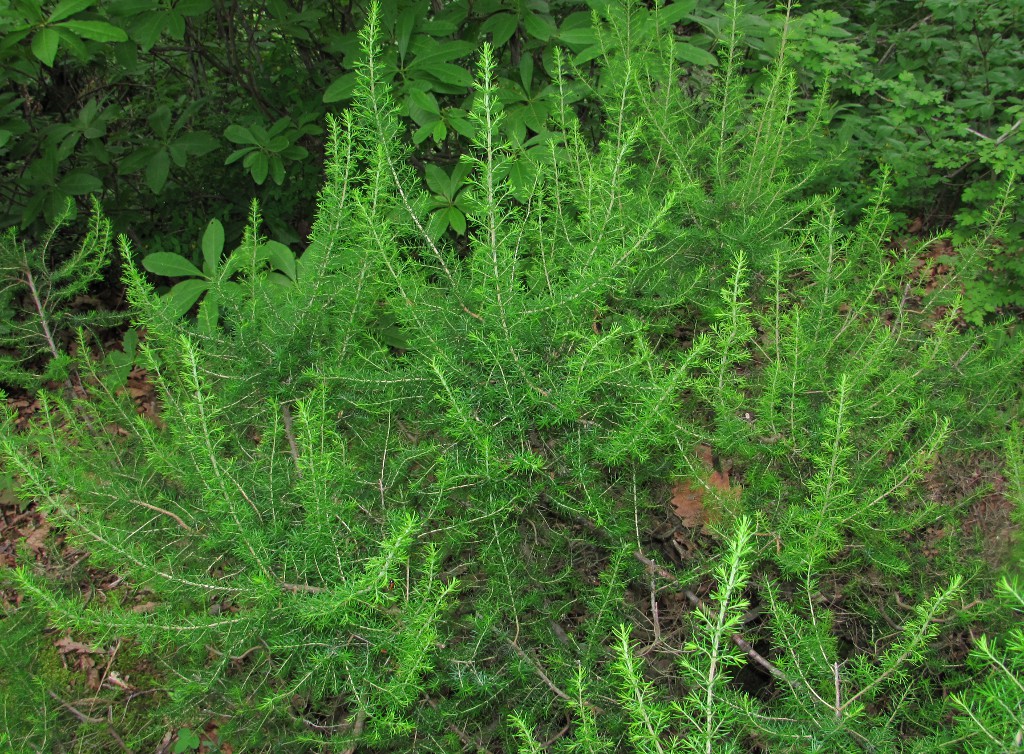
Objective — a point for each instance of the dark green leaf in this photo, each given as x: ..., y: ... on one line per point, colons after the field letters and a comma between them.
x: 676, y: 12
x: 420, y: 134
x: 160, y: 120
x: 44, y: 45
x: 192, y: 7
x: 209, y: 314
x: 587, y: 54
x: 137, y: 160
x: 539, y: 27
x: 404, y: 27
x: 280, y: 257
x: 239, y: 134
x: 577, y: 36
x: 260, y: 168
x: 72, y: 43
x: 68, y: 146
x: 449, y: 73
x: 457, y: 220
x: 122, y: 8
x: 276, y: 169
x: 340, y: 89
x: 238, y: 154
x: 147, y: 30
x: 501, y: 27
x: 213, y: 246
x: 457, y: 120
x: 68, y: 8
x: 279, y: 280
x: 526, y: 72
x: 278, y: 143
x: 198, y: 142
x: 436, y: 179
x: 171, y: 265
x: 259, y: 133
x: 97, y: 31
x: 175, y: 25
x: 438, y: 28
x: 79, y: 182
x: 437, y: 224
x: 157, y: 171
x: 692, y: 54
x: 430, y: 52
x: 425, y: 101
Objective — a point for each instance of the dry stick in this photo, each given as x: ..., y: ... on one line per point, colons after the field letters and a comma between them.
x: 696, y: 601
x: 106, y: 670
x: 547, y: 681
x: 554, y: 739
x: 655, y: 616
x: 997, y: 141
x: 739, y: 641
x: 357, y: 730
x: 904, y: 606
x: 293, y: 446
x: 84, y: 718
x: 466, y: 740
x: 180, y: 523
x: 42, y: 313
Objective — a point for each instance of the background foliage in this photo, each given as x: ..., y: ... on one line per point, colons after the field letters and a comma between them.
x: 930, y: 89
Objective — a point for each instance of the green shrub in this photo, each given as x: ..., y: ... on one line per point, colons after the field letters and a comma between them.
x: 37, y: 297
x: 449, y: 544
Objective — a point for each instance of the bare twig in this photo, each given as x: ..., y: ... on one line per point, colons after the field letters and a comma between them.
x: 84, y: 718
x: 293, y: 447
x: 839, y: 694
x: 106, y: 670
x: 756, y: 657
x: 158, y: 509
x: 558, y: 736
x: 466, y: 740
x: 654, y: 611
x: 357, y: 730
x: 888, y: 52
x: 910, y: 608
x: 544, y: 677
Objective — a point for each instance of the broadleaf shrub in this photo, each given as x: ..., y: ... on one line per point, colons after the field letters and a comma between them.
x: 451, y: 543
x: 933, y: 91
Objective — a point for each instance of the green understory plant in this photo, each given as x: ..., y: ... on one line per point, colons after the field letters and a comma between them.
x: 39, y: 288
x: 451, y: 543
x: 933, y: 90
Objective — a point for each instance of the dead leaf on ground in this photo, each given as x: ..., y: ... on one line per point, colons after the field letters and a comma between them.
x: 688, y: 496
x: 36, y: 537
x: 66, y: 645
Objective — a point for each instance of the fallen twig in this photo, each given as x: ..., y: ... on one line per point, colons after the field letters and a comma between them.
x: 84, y: 718
x: 756, y: 657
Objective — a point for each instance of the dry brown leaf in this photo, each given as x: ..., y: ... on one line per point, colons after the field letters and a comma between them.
x: 66, y: 645
x: 688, y: 497
x: 688, y: 504
x: 114, y: 679
x: 37, y: 537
